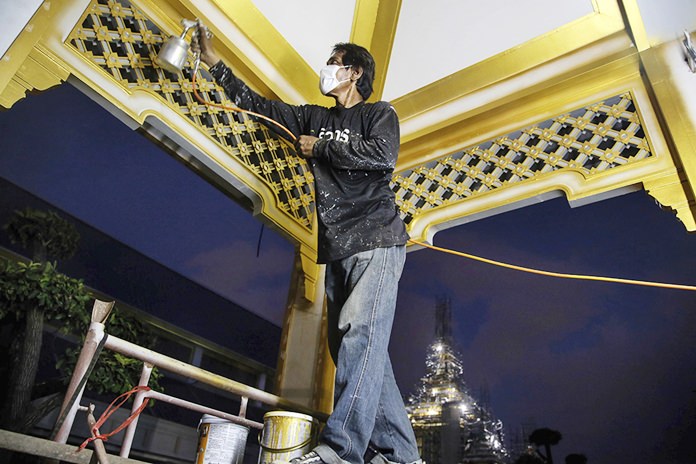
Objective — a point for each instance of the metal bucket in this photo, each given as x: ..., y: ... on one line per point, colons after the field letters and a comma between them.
x: 220, y: 441
x: 285, y: 435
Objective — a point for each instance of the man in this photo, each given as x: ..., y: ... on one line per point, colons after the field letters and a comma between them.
x: 352, y: 150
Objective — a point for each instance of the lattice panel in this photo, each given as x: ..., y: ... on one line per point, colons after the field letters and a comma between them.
x: 118, y: 37
x: 589, y: 140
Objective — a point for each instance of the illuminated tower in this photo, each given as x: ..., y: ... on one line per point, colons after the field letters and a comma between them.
x: 450, y: 426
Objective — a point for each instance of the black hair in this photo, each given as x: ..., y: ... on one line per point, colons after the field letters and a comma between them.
x: 355, y: 55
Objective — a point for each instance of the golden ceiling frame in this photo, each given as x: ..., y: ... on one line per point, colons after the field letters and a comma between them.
x: 584, y: 62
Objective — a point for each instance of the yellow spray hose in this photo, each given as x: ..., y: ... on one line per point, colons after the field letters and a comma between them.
x: 555, y: 274
x: 231, y: 108
x: 459, y: 253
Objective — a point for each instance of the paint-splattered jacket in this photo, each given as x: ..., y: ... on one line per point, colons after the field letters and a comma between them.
x: 352, y: 165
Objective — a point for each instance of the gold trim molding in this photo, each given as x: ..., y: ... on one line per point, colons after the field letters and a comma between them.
x: 37, y: 72
x: 121, y: 42
x: 669, y: 191
x: 25, y: 66
x: 567, y: 152
x: 508, y: 145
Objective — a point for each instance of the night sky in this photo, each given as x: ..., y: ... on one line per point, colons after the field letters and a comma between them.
x: 610, y: 366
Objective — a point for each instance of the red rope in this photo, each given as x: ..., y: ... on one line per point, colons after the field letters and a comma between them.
x: 115, y: 404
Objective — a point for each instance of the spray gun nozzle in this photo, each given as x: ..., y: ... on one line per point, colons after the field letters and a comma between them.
x: 188, y: 25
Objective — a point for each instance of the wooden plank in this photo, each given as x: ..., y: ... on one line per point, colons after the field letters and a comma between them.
x: 49, y: 449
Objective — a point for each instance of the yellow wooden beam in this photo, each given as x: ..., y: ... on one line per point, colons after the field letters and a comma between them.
x: 673, y: 100
x: 364, y: 21
x: 635, y: 24
x: 539, y: 101
x: 605, y: 22
x: 300, y: 351
x: 374, y: 27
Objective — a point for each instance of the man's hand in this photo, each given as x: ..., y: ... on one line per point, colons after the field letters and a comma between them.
x: 305, y: 145
x: 200, y: 42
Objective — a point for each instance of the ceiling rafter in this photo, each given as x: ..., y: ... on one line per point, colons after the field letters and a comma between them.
x: 374, y: 27
x: 286, y: 61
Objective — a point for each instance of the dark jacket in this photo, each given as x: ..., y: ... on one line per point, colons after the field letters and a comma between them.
x: 352, y: 165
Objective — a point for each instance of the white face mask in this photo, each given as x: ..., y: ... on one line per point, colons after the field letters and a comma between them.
x: 327, y: 78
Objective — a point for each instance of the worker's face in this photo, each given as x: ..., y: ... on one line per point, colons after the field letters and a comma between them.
x: 343, y: 77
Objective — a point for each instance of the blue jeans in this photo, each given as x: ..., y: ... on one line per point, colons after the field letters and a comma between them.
x: 368, y: 409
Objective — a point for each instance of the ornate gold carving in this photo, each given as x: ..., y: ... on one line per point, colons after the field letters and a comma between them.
x: 25, y: 66
x: 590, y: 140
x: 123, y: 42
x: 670, y: 192
x: 37, y: 72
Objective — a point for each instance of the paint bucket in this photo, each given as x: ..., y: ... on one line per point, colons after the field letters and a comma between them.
x: 285, y: 435
x: 220, y: 441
